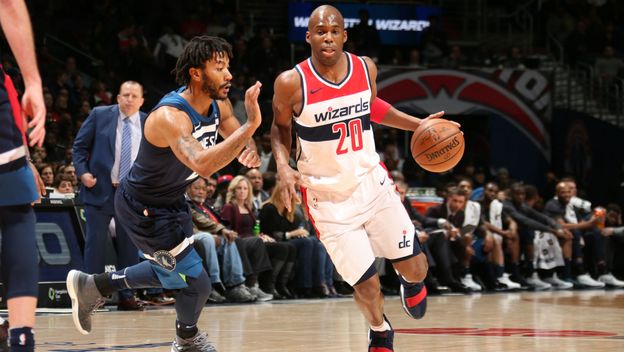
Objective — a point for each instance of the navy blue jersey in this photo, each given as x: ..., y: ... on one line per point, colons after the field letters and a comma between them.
x: 17, y: 184
x: 157, y: 176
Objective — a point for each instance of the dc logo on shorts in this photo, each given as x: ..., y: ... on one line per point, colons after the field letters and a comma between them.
x: 165, y: 260
x: 405, y: 243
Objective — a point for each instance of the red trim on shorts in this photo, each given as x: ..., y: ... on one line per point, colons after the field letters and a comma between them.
x: 379, y: 349
x: 416, y: 300
x: 15, y: 104
x: 304, y: 195
x: 389, y: 176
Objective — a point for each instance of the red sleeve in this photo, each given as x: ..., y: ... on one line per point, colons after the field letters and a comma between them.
x: 379, y: 108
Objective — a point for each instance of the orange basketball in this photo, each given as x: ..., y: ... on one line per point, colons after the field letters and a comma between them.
x: 437, y: 145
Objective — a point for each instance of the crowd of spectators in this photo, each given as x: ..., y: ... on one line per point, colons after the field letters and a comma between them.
x: 283, y: 259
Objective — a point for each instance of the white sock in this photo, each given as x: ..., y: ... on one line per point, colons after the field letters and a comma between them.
x: 381, y: 328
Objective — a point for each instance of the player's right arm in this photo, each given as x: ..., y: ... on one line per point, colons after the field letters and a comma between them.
x: 170, y: 127
x: 17, y: 29
x: 287, y: 96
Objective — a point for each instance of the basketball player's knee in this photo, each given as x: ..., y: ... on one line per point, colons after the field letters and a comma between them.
x: 201, y: 285
x: 418, y: 271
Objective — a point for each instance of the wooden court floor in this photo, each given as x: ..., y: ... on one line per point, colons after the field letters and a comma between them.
x: 548, y: 321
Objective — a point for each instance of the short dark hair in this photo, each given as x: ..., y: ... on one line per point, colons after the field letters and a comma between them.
x: 196, y: 53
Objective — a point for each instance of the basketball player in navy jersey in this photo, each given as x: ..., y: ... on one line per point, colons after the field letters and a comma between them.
x: 178, y: 146
x: 330, y: 100
x: 20, y: 184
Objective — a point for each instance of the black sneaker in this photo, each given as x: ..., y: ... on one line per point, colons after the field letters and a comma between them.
x: 381, y: 341
x: 85, y: 298
x: 197, y: 343
x: 413, y: 298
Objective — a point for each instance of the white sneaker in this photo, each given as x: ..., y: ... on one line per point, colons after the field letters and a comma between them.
x: 261, y: 296
x: 588, y: 281
x: 470, y: 283
x: 609, y: 279
x: 535, y: 282
x: 505, y: 280
x: 557, y: 283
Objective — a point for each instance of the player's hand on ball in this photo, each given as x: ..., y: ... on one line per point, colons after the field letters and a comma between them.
x: 437, y: 115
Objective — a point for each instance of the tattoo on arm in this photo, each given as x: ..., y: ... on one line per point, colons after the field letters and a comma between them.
x: 186, y: 146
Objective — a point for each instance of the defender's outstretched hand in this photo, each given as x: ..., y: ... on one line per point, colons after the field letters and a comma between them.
x: 252, y: 108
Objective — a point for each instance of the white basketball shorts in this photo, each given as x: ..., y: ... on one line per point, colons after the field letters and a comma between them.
x: 362, y: 223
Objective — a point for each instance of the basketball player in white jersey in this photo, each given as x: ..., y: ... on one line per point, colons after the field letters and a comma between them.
x: 330, y: 100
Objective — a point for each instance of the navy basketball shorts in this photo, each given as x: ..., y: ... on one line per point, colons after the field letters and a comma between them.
x: 157, y: 232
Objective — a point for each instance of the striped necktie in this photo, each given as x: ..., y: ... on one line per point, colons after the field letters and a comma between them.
x: 125, y: 158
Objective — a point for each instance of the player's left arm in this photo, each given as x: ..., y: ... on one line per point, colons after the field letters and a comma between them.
x: 229, y: 124
x: 384, y: 113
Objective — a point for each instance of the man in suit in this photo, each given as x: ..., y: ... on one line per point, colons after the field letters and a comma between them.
x: 104, y: 150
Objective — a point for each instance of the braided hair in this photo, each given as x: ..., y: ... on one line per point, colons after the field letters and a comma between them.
x: 196, y: 53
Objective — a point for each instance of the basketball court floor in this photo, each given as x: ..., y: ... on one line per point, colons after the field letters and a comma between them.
x: 526, y: 321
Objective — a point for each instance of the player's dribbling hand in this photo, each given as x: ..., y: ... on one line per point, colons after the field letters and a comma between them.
x: 290, y: 178
x: 438, y: 115
x: 252, y: 108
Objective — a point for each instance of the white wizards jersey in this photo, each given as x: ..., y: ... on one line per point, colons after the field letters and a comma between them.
x: 336, y: 147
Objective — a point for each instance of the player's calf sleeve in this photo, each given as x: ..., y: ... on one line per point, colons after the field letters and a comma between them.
x: 137, y: 276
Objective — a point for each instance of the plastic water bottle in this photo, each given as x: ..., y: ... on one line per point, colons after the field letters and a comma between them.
x: 256, y: 228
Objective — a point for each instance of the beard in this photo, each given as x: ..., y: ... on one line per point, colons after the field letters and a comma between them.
x: 198, y: 200
x: 212, y: 89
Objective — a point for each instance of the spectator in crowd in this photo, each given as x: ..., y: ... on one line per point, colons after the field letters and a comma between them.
x: 568, y: 218
x: 432, y: 234
x: 104, y: 150
x: 216, y: 245
x: 266, y: 154
x: 288, y: 225
x: 514, y: 59
x: 461, y: 242
x: 608, y: 67
x: 62, y: 187
x: 391, y: 157
x: 259, y: 195
x: 529, y: 222
x: 39, y: 154
x: 433, y: 42
x: 504, y: 230
x: 414, y: 59
x: 238, y: 215
x: 614, y: 245
x: 252, y: 250
x: 169, y: 46
x: 455, y: 58
x: 47, y: 174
